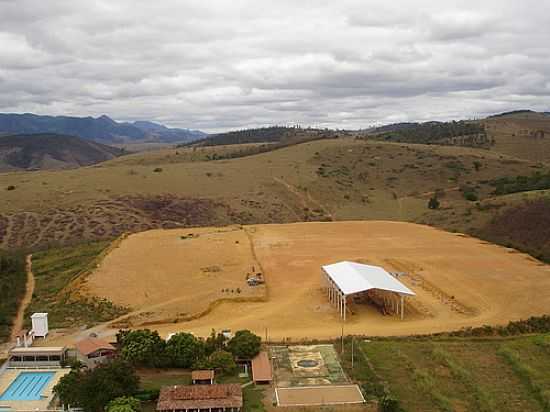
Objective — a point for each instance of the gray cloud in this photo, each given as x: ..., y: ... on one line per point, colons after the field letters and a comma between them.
x: 217, y: 65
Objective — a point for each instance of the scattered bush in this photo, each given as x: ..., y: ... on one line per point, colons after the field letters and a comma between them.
x: 158, y: 170
x: 433, y: 203
x: 124, y: 404
x: 10, y: 187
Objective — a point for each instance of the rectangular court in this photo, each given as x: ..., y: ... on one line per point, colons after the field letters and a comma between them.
x: 311, y: 375
x: 319, y: 395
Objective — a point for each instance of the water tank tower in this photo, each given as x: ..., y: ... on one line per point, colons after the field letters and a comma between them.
x: 40, y: 324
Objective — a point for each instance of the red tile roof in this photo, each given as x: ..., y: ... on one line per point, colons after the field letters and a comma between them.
x: 200, y: 397
x: 202, y: 375
x: 261, y: 368
x: 91, y: 345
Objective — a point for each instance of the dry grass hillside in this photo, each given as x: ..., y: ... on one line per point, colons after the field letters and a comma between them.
x: 524, y: 135
x: 334, y: 179
x: 328, y: 179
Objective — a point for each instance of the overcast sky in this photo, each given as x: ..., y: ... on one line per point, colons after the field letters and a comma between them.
x: 217, y: 65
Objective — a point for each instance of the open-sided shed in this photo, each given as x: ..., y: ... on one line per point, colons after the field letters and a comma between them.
x: 345, y: 278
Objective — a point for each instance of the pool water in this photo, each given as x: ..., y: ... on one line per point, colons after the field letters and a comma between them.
x: 28, y: 386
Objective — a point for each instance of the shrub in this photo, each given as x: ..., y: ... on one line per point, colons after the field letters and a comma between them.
x: 10, y: 187
x: 158, y: 170
x: 124, y: 404
x: 433, y: 203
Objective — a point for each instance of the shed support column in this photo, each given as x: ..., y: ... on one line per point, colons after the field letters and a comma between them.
x: 402, y: 306
x: 345, y: 304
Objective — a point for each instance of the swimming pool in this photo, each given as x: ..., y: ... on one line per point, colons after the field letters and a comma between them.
x: 28, y: 386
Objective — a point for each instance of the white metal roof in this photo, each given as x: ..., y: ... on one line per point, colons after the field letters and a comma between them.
x: 354, y: 277
x: 37, y: 349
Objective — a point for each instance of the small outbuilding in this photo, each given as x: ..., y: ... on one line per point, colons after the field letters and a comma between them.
x: 93, y: 351
x: 202, y: 377
x: 197, y: 398
x: 261, y: 369
x: 40, y: 324
x: 344, y: 279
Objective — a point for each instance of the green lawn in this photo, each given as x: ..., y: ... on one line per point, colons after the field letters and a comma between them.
x: 459, y: 374
x: 54, y: 269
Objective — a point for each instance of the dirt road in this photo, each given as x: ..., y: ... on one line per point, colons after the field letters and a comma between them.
x: 20, y: 317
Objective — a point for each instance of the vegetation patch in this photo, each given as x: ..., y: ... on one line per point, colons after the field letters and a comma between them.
x: 13, y: 276
x: 54, y: 269
x: 451, y: 374
x: 536, y: 181
x: 523, y: 227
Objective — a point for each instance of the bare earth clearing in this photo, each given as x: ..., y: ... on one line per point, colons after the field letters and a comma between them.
x: 166, y: 276
x: 459, y: 281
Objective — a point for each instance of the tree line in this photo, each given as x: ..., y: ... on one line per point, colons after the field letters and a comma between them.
x: 432, y: 132
x: 114, y: 386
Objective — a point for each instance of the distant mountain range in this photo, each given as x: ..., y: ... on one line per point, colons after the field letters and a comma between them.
x: 103, y: 128
x: 51, y: 151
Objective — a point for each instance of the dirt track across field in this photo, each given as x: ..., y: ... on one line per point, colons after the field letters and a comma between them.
x: 459, y: 281
x: 19, y: 318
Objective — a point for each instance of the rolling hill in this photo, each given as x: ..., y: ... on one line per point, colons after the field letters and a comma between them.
x: 51, y: 151
x: 102, y: 129
x: 274, y: 134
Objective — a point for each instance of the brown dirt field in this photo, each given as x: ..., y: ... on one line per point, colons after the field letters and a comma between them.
x: 460, y: 281
x: 177, y: 274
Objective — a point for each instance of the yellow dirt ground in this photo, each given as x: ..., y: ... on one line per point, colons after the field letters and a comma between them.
x: 170, y: 275
x: 459, y: 281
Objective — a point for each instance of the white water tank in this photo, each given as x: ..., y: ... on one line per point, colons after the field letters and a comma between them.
x: 40, y: 324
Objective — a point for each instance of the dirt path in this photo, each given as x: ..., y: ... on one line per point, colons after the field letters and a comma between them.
x: 20, y: 317
x: 305, y: 201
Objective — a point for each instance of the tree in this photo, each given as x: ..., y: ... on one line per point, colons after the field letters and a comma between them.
x: 215, y: 342
x: 93, y: 389
x: 184, y: 350
x: 68, y: 389
x: 433, y: 203
x: 244, y: 345
x: 222, y: 361
x: 124, y: 404
x: 142, y: 347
